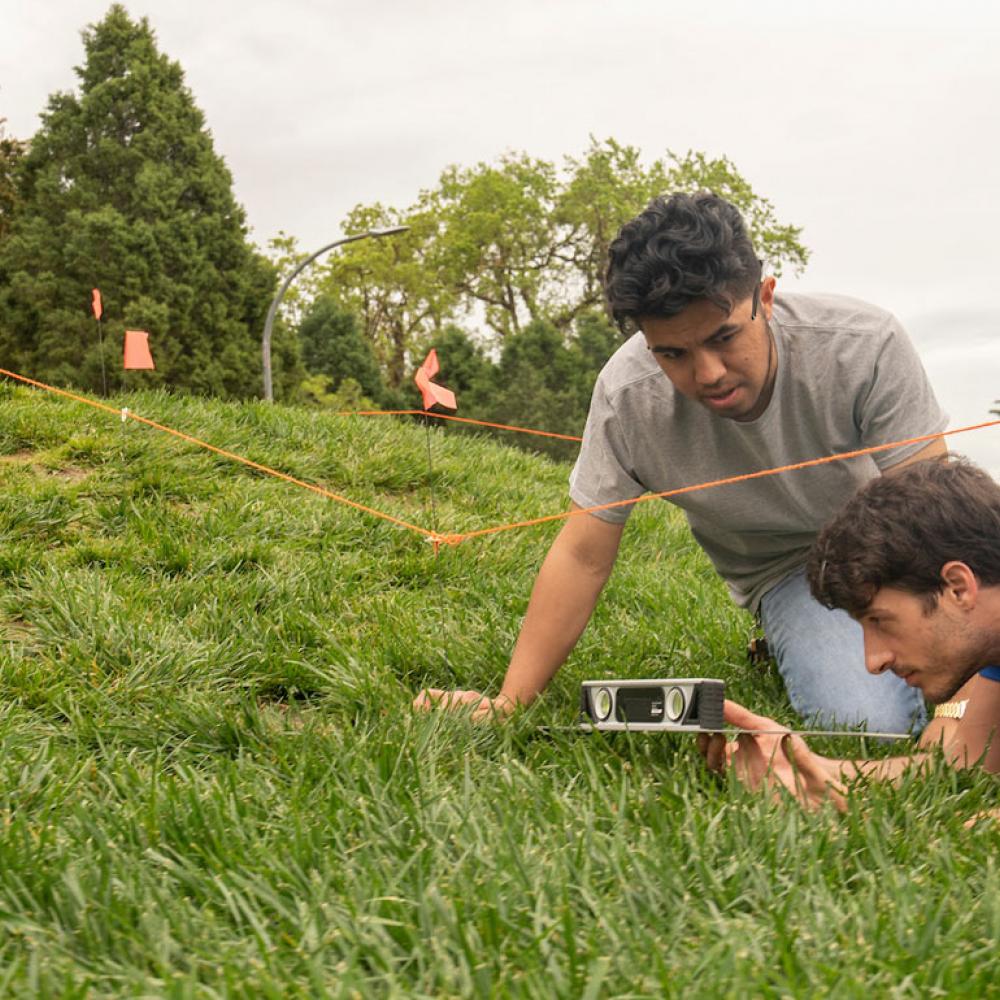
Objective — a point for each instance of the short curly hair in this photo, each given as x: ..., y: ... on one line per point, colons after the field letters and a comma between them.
x: 900, y: 529
x: 678, y: 250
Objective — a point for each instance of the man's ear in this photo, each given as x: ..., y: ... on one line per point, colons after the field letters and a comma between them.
x: 960, y: 584
x: 767, y: 287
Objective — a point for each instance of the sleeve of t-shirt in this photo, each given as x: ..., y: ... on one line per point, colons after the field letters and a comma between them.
x: 603, y: 472
x: 899, y: 402
x: 992, y: 673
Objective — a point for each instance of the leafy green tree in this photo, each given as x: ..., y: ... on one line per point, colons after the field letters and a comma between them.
x: 520, y: 242
x: 391, y: 284
x: 317, y: 390
x: 779, y: 244
x: 498, y: 245
x: 122, y: 190
x: 594, y: 339
x: 602, y: 191
x: 334, y: 347
x: 538, y: 384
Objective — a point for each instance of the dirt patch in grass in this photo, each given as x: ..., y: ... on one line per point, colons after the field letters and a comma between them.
x: 70, y: 472
x: 17, y: 457
x: 16, y: 630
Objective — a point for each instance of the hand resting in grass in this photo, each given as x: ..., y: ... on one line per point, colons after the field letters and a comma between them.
x: 478, y: 706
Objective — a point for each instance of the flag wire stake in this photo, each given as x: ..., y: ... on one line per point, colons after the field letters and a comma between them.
x: 430, y: 482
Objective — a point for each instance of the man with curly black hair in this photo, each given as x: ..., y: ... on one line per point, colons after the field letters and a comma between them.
x: 721, y: 376
x: 915, y: 559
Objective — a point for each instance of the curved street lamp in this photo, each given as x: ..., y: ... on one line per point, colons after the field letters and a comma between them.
x: 272, y: 312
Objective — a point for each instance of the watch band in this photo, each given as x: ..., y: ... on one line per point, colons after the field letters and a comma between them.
x: 951, y: 709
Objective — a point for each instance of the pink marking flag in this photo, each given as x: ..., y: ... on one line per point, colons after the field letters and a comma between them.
x: 137, y: 350
x: 434, y: 395
x: 96, y: 304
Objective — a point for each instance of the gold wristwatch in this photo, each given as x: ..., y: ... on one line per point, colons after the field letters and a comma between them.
x: 951, y: 709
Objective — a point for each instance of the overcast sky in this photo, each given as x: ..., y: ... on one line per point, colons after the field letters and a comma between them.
x: 873, y: 125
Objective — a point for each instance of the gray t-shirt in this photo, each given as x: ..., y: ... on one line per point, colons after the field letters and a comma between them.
x: 848, y: 378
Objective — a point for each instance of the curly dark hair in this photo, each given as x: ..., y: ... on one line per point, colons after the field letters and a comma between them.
x: 900, y: 529
x: 680, y: 249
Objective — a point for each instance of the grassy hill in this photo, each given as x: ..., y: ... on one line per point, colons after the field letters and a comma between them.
x: 213, y: 785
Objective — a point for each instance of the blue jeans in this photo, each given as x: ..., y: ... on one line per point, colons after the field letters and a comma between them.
x: 821, y: 658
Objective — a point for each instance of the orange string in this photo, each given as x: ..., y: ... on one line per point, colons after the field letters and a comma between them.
x: 461, y: 420
x: 454, y: 539
x: 228, y: 454
x: 457, y: 538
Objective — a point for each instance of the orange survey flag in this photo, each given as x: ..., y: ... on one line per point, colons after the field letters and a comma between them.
x: 137, y: 350
x: 434, y: 395
x: 96, y: 304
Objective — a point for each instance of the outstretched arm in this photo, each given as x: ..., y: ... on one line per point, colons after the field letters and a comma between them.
x: 785, y: 763
x: 571, y: 579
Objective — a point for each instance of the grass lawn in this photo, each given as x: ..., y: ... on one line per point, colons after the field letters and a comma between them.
x: 212, y: 785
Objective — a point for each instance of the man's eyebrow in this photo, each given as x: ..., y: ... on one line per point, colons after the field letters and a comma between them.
x: 876, y: 611
x: 724, y: 329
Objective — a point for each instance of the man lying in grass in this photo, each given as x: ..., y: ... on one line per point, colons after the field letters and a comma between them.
x: 721, y: 376
x: 915, y: 558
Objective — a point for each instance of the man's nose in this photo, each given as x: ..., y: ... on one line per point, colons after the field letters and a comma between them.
x: 708, y: 368
x: 878, y: 659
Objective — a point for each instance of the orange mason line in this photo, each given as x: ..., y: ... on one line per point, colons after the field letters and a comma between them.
x: 433, y: 536
x: 460, y: 420
x: 455, y: 539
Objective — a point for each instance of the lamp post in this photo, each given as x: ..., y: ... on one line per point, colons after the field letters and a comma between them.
x: 272, y: 312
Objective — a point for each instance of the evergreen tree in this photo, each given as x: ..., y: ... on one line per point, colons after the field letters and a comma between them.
x: 11, y: 152
x: 333, y: 346
x: 538, y: 385
x: 121, y: 189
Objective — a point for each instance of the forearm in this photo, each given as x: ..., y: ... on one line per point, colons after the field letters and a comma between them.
x: 886, y: 769
x: 940, y: 733
x: 560, y: 607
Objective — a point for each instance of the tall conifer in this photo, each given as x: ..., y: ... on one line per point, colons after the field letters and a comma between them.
x: 122, y: 190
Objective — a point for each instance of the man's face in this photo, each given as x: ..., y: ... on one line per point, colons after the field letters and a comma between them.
x: 936, y: 651
x: 725, y: 361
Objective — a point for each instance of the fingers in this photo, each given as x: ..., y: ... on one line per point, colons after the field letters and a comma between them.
x: 990, y: 815
x: 478, y: 706
x: 751, y: 761
x: 427, y: 698
x: 742, y: 718
x: 712, y: 747
x: 439, y: 698
x: 813, y: 784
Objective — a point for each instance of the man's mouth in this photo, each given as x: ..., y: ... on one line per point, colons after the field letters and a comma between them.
x: 720, y: 400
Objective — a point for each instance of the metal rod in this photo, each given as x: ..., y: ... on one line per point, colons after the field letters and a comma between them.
x: 430, y: 478
x: 100, y: 350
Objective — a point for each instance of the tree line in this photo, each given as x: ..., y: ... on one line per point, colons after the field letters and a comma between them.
x: 500, y: 269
